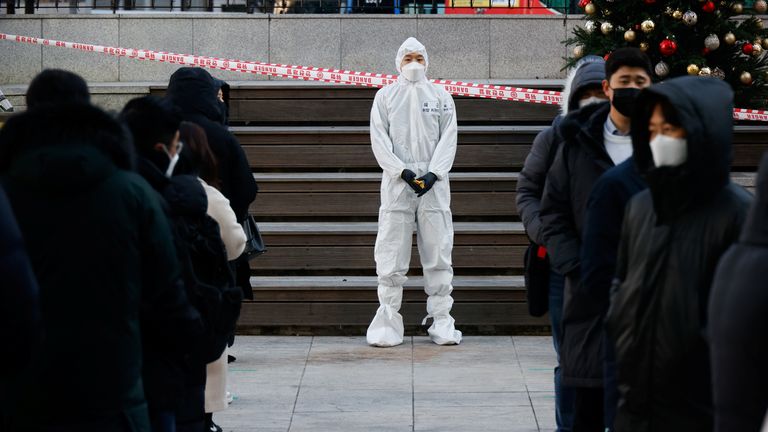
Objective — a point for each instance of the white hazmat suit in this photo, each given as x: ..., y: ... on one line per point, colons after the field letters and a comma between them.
x: 413, y: 126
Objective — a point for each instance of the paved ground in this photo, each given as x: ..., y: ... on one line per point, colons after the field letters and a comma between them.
x: 338, y: 384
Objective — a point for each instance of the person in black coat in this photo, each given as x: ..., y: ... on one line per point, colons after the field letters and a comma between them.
x: 195, y: 92
x: 672, y: 237
x: 103, y: 255
x: 738, y: 312
x: 584, y: 86
x: 21, y: 327
x: 599, y: 250
x: 175, y: 385
x: 595, y: 138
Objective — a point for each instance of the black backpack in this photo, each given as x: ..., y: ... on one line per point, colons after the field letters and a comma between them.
x: 210, y: 281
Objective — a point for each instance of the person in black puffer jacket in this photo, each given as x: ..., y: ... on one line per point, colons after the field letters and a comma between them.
x: 738, y: 311
x: 203, y: 258
x: 194, y: 91
x: 672, y: 237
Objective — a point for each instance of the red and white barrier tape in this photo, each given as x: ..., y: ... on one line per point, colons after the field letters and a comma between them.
x: 366, y: 79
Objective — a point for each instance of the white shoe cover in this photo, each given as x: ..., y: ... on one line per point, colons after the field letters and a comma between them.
x: 443, y: 331
x: 386, y: 329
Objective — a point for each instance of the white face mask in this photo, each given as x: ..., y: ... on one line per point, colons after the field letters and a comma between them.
x: 174, y: 159
x: 414, y: 71
x: 591, y: 100
x: 669, y: 151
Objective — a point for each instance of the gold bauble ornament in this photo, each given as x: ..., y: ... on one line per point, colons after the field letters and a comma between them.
x: 647, y: 26
x: 757, y: 50
x: 606, y: 28
x: 729, y: 38
x: 705, y: 71
x: 765, y: 44
x: 692, y: 69
x: 677, y: 14
x: 760, y: 6
x: 737, y: 8
x: 644, y: 46
x: 759, y: 23
x: 578, y: 51
x: 590, y: 9
x: 630, y: 35
x: 746, y: 78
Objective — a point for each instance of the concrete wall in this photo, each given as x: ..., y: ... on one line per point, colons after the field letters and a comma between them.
x: 485, y: 48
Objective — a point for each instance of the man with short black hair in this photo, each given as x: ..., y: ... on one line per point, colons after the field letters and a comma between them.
x: 53, y: 86
x: 594, y: 139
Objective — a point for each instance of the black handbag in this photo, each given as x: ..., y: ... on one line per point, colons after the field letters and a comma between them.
x: 254, y: 245
x: 537, y: 279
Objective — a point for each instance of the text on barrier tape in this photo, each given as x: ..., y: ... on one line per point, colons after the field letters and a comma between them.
x: 306, y: 73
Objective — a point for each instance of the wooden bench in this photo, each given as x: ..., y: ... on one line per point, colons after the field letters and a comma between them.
x: 355, y: 196
x: 336, y: 304
x: 481, y: 148
x: 347, y: 248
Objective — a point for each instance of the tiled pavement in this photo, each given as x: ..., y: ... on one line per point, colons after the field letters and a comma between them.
x: 339, y: 384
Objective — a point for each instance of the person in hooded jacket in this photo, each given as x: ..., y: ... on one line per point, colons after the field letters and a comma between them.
x: 595, y: 139
x: 195, y: 92
x: 738, y: 313
x: 175, y: 386
x: 413, y: 137
x: 672, y: 237
x: 584, y: 86
x: 105, y: 264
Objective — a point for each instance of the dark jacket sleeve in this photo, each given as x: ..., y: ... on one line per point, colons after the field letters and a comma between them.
x: 20, y: 321
x: 240, y: 180
x: 560, y: 236
x: 169, y: 321
x: 530, y: 184
x: 600, y: 241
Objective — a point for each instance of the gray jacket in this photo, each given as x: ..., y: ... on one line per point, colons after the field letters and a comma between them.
x: 530, y: 184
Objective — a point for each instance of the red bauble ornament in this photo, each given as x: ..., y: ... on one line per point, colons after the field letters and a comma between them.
x: 584, y: 3
x: 705, y: 51
x: 708, y: 7
x: 747, y: 48
x: 667, y: 47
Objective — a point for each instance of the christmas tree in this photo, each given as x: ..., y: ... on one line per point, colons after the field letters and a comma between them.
x: 722, y: 39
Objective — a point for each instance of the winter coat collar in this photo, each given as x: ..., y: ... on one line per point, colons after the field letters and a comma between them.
x: 586, y: 126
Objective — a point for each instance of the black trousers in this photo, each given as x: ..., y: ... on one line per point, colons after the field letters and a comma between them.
x: 588, y: 413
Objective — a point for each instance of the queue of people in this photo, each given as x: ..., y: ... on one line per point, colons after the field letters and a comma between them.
x: 631, y: 197
x: 123, y: 239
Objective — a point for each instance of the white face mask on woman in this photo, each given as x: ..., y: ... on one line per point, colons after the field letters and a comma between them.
x: 669, y: 151
x: 174, y: 159
x: 414, y: 71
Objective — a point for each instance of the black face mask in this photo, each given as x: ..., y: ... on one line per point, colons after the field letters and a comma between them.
x: 624, y: 100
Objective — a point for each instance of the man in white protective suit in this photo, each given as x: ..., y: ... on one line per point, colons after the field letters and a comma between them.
x: 413, y: 135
